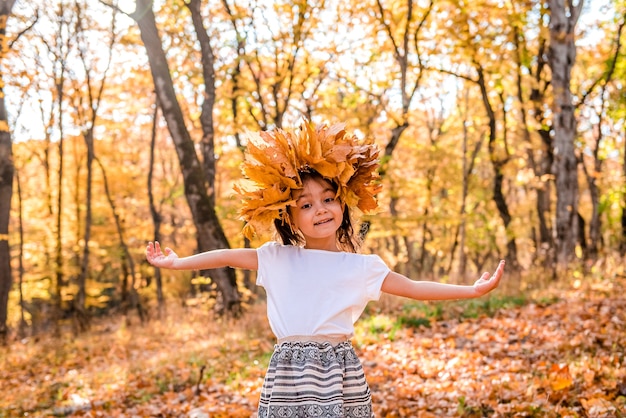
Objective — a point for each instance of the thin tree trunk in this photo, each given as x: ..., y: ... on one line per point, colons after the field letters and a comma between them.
x: 133, y: 302
x: 58, y: 259
x: 562, y: 56
x: 89, y: 116
x: 20, y: 257
x: 622, y: 244
x: 595, y: 223
x: 544, y: 199
x: 498, y: 164
x: 6, y: 180
x: 541, y: 184
x: 157, y: 219
x: 210, y: 234
x: 206, y: 114
x: 236, y: 76
x: 468, y: 167
x: 80, y: 314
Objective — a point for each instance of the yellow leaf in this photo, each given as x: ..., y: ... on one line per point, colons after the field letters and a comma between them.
x: 560, y: 377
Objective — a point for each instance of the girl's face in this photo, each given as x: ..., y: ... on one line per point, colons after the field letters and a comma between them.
x: 318, y: 214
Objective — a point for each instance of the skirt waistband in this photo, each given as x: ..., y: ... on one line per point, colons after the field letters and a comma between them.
x: 333, y: 339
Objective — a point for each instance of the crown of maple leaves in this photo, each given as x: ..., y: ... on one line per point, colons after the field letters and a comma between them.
x: 274, y: 161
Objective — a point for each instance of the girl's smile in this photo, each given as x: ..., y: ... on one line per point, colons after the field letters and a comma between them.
x: 318, y: 214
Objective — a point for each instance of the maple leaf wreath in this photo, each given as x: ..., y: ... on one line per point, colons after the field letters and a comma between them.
x: 275, y: 159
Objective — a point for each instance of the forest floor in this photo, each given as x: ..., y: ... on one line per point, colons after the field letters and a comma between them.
x: 562, y: 354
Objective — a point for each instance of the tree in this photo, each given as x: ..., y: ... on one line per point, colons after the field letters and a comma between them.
x: 532, y: 82
x: 6, y: 178
x: 279, y: 72
x: 593, y: 173
x: 86, y: 114
x: 60, y: 50
x: 210, y: 234
x: 562, y: 57
x: 477, y: 39
x: 406, y: 47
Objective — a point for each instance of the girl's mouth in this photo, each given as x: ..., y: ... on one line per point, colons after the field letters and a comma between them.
x: 323, y: 222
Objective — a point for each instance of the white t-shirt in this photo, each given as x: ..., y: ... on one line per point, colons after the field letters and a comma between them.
x: 317, y: 292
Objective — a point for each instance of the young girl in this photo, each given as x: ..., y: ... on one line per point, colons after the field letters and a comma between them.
x: 304, y: 183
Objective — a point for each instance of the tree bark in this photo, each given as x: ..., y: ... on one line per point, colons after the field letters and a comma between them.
x: 595, y: 223
x: 467, y: 167
x: 622, y: 244
x: 88, y: 113
x: 235, y: 92
x: 541, y: 168
x: 498, y: 164
x: 7, y: 170
x: 210, y: 234
x: 133, y: 296
x: 561, y: 57
x: 206, y: 115
x: 58, y: 257
x: 157, y: 219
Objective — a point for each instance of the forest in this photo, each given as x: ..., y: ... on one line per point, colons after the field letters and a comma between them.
x: 502, y: 129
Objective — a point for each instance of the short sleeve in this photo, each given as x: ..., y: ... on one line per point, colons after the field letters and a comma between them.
x: 376, y: 272
x: 267, y: 256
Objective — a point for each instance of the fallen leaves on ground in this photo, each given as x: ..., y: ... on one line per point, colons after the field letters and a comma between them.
x: 558, y: 359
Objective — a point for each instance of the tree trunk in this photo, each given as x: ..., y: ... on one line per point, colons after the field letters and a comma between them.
x: 133, y: 297
x: 20, y: 273
x: 498, y: 163
x: 468, y: 167
x: 594, y: 194
x: 80, y: 314
x: 595, y: 224
x: 6, y: 180
x: 622, y: 244
x: 544, y: 201
x: 207, y: 121
x: 58, y: 258
x: 541, y: 170
x: 157, y: 219
x: 209, y: 231
x: 206, y: 114
x: 561, y: 57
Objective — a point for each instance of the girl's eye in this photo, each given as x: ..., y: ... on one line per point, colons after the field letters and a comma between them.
x: 329, y: 199
x: 305, y: 206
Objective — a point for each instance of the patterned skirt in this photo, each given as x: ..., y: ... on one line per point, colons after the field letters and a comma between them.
x: 312, y: 379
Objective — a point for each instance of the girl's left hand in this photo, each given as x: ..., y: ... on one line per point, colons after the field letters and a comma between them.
x: 486, y: 284
x: 157, y: 258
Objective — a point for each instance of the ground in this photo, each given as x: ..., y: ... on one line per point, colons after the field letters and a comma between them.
x: 554, y: 356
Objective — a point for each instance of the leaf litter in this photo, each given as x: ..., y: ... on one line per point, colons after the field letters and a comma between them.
x: 562, y: 358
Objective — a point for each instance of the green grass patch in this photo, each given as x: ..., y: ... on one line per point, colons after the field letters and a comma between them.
x: 475, y: 308
x: 416, y: 314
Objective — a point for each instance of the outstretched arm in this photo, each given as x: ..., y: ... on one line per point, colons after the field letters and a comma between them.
x: 244, y: 258
x: 397, y: 284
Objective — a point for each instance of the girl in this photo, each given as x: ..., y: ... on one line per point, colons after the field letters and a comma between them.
x: 305, y: 183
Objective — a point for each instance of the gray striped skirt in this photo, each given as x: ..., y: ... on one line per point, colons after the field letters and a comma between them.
x: 315, y: 379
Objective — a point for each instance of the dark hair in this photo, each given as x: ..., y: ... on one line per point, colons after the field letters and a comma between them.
x: 346, y: 238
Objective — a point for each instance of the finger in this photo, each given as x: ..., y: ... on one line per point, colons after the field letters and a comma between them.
x: 500, y: 269
x: 157, y: 246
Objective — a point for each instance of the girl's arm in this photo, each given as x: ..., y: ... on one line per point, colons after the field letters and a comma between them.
x: 397, y: 284
x: 243, y: 258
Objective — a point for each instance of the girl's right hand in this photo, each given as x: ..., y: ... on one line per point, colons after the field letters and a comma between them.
x: 157, y: 258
